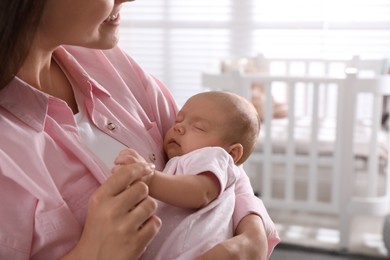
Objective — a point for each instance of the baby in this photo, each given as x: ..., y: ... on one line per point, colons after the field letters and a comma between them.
x: 214, y: 132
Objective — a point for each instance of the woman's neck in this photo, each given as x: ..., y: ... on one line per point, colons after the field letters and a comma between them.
x: 41, y: 71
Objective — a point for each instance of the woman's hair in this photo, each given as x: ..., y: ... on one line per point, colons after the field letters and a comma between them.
x: 19, y: 20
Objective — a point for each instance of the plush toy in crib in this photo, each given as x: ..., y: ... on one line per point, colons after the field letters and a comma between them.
x: 256, y: 65
x: 259, y: 98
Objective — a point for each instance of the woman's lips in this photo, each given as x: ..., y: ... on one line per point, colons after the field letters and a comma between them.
x: 113, y: 19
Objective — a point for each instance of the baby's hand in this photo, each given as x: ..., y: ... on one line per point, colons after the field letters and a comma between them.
x: 129, y: 156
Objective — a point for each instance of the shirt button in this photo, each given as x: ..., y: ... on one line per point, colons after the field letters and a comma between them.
x: 111, y: 126
x: 152, y: 157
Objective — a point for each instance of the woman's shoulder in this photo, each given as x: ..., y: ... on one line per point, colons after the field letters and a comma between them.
x: 18, y: 131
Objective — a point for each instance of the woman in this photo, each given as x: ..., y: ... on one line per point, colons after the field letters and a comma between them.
x: 66, y: 109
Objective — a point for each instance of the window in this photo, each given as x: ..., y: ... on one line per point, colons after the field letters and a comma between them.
x: 176, y: 40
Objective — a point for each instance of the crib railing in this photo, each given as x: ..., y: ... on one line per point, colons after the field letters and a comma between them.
x: 311, y: 179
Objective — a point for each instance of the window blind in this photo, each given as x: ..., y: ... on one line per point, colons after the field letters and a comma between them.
x: 177, y: 40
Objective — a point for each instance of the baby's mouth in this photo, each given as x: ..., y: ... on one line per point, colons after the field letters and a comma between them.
x: 173, y: 141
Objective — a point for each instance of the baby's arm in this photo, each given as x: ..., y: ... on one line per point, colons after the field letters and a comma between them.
x: 185, y: 191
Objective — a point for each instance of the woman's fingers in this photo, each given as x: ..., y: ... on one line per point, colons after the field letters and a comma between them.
x: 142, y: 212
x: 146, y: 228
x: 120, y: 221
x: 132, y: 196
x: 149, y: 230
x: 145, y: 234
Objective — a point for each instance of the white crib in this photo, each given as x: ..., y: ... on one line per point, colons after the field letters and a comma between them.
x: 330, y: 153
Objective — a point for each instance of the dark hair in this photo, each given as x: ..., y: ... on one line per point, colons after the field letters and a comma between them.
x: 19, y: 20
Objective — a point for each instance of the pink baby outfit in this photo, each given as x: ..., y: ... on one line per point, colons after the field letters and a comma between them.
x: 186, y: 233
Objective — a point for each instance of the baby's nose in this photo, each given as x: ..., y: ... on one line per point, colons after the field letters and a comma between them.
x: 179, y: 129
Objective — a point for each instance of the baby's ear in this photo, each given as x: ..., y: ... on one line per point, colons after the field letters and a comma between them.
x: 236, y: 151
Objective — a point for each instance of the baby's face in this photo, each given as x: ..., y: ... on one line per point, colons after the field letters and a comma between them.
x: 200, y: 123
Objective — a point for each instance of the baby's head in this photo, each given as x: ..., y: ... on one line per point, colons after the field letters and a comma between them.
x: 214, y: 118
x: 242, y: 121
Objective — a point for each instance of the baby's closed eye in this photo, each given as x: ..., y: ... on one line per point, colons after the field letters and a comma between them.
x: 199, y: 127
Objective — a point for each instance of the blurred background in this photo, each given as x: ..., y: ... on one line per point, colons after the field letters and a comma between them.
x: 177, y: 40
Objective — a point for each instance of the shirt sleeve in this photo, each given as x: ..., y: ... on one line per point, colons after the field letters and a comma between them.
x: 208, y: 159
x: 247, y: 203
x: 16, y: 232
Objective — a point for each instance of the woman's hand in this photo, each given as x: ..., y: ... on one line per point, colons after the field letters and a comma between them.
x: 120, y: 221
x: 250, y: 242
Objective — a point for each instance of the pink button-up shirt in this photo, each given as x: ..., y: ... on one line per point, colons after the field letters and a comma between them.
x: 47, y: 173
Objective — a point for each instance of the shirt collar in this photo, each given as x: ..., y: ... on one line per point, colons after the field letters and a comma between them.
x: 30, y: 105
x: 76, y: 73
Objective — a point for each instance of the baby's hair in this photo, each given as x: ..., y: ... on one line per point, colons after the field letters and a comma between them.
x: 243, y: 120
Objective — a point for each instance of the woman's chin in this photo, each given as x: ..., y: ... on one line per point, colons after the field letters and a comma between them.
x: 107, y: 44
x: 104, y: 42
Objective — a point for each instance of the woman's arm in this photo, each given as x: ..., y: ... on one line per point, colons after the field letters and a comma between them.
x: 249, y: 242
